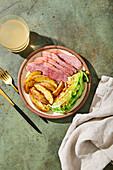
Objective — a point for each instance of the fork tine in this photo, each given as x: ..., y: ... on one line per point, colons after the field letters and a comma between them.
x: 2, y: 79
x: 7, y: 74
x: 1, y: 69
x: 1, y: 73
x: 3, y: 76
x: 7, y: 79
x: 4, y: 73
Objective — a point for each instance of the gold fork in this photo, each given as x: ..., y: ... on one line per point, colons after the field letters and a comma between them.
x: 7, y: 79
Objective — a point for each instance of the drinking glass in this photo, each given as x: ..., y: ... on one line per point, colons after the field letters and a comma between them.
x: 14, y: 33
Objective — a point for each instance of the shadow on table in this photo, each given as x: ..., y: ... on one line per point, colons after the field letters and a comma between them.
x: 109, y: 167
x: 85, y: 108
x: 37, y: 41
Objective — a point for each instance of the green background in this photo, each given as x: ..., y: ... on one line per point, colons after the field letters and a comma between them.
x: 85, y: 26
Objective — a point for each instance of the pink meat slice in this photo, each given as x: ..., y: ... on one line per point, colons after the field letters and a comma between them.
x: 73, y: 60
x: 54, y: 63
x: 58, y: 60
x: 48, y: 70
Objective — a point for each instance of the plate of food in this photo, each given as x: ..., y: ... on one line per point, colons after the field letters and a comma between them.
x: 54, y: 82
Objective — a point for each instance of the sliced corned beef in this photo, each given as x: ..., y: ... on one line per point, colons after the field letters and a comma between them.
x: 57, y: 59
x: 54, y: 63
x: 48, y: 70
x: 73, y: 60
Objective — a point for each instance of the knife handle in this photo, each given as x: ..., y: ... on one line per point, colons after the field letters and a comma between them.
x: 21, y: 112
x: 3, y: 94
x: 26, y: 118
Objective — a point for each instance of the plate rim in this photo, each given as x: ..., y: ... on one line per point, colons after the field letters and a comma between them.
x: 19, y: 81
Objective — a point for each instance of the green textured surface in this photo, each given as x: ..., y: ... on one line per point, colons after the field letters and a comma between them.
x: 86, y: 27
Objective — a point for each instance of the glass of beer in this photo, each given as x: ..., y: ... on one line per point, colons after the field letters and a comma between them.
x: 14, y: 33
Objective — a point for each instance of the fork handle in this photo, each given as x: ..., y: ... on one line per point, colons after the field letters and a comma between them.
x: 15, y: 88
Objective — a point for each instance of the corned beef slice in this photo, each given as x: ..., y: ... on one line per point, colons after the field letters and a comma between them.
x: 48, y: 70
x: 73, y: 60
x: 57, y: 59
x: 54, y: 63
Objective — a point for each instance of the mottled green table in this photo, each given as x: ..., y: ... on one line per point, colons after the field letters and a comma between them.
x: 86, y: 27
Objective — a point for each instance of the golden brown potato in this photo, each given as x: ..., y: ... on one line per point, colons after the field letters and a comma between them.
x: 42, y: 78
x: 59, y: 89
x: 28, y: 85
x: 62, y: 95
x: 48, y: 95
x: 31, y: 75
x: 48, y: 86
x: 38, y: 95
x: 38, y: 104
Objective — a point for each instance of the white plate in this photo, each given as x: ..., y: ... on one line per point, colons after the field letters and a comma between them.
x: 25, y: 97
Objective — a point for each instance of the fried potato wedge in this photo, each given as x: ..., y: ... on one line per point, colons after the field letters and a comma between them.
x: 28, y: 85
x: 39, y: 96
x: 38, y: 104
x: 42, y: 78
x: 48, y: 86
x: 31, y: 75
x: 48, y: 95
x: 59, y: 89
x: 62, y: 95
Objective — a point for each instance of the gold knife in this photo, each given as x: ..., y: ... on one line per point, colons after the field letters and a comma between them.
x: 20, y: 111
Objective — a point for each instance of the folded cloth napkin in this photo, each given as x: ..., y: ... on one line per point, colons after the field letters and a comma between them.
x: 88, y: 144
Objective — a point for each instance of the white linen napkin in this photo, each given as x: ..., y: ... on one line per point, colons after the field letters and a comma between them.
x: 88, y: 144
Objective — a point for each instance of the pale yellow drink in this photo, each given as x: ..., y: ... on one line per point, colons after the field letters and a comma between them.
x: 14, y: 35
